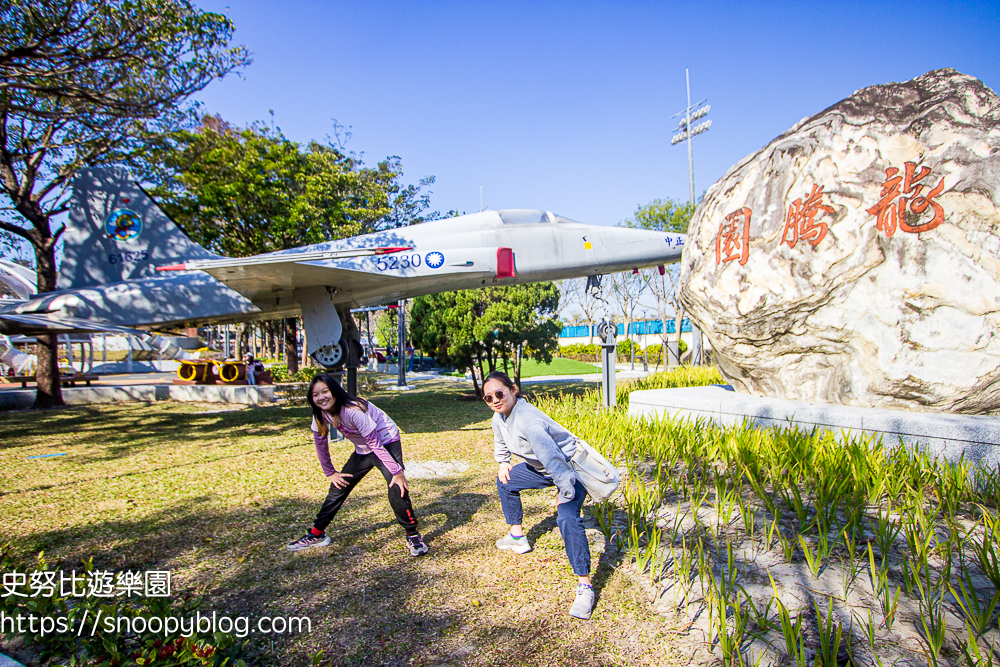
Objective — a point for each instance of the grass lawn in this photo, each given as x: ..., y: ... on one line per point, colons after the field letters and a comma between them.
x: 530, y: 369
x: 213, y: 496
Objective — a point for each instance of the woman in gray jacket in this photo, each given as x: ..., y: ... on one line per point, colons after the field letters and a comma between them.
x: 546, y: 447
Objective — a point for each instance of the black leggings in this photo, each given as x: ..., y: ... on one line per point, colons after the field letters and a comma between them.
x: 358, y: 465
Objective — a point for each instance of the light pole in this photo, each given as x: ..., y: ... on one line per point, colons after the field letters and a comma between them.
x: 685, y: 130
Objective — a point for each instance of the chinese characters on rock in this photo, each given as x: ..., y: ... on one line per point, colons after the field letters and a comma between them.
x: 733, y: 240
x: 891, y: 213
x: 800, y: 224
x: 903, y: 205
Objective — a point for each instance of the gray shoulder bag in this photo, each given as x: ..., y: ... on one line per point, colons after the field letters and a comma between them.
x: 595, y: 472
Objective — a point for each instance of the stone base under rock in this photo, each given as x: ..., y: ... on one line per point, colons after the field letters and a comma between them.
x: 948, y: 436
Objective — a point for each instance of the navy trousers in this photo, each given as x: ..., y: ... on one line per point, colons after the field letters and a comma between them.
x: 524, y: 477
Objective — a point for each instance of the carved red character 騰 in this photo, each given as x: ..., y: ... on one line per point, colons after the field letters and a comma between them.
x: 733, y: 239
x: 891, y: 213
x: 801, y: 219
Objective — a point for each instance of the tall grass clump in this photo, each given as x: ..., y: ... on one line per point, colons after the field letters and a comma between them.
x: 814, y: 509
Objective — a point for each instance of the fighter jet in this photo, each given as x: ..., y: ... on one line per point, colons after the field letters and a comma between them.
x: 126, y: 265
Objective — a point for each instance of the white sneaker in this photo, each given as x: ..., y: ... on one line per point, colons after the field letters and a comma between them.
x: 308, y: 541
x: 518, y: 545
x: 583, y: 605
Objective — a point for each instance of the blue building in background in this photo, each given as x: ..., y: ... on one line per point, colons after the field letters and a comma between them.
x: 636, y: 330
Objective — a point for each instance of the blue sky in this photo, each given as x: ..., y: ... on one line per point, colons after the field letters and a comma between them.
x: 567, y: 106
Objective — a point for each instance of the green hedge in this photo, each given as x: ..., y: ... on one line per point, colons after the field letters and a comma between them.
x: 592, y: 352
x: 281, y: 374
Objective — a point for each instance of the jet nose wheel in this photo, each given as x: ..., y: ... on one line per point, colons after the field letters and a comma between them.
x: 331, y: 356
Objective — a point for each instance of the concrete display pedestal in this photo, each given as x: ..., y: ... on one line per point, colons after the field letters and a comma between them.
x: 948, y: 436
x: 247, y: 395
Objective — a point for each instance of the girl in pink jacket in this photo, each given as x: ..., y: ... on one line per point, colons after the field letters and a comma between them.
x: 376, y: 445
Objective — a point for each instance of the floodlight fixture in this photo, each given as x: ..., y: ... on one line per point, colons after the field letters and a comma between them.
x: 694, y: 116
x: 686, y: 131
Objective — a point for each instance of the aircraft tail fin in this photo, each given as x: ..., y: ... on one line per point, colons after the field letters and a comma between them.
x: 117, y: 232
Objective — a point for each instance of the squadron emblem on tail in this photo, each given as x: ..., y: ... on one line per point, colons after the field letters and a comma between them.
x: 123, y: 225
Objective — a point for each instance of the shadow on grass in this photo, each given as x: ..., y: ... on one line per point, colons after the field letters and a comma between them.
x: 356, y: 592
x: 125, y: 429
x: 369, y: 602
x: 120, y: 429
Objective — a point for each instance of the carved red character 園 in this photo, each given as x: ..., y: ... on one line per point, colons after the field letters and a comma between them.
x: 733, y: 239
x: 890, y: 213
x: 801, y: 219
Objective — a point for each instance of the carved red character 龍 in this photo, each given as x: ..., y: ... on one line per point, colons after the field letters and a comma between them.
x: 801, y: 220
x: 890, y: 213
x: 733, y: 239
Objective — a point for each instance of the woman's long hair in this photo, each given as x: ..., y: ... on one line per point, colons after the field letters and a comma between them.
x: 340, y: 399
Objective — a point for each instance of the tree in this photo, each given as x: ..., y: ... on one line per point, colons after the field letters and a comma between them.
x: 520, y: 321
x: 442, y: 325
x: 627, y: 289
x: 82, y: 82
x: 491, y: 325
x: 664, y: 216
x: 591, y: 303
x: 247, y: 191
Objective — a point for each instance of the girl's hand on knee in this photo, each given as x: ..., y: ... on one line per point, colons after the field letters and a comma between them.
x: 400, y: 481
x: 503, y: 473
x: 339, y: 479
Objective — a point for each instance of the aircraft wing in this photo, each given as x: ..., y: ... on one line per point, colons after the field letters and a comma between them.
x: 32, y: 324
x: 264, y: 276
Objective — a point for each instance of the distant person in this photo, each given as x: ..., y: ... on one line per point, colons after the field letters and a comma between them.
x: 546, y: 447
x: 409, y: 353
x: 376, y: 445
x: 254, y: 367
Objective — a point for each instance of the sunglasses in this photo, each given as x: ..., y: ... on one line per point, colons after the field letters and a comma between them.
x: 497, y: 395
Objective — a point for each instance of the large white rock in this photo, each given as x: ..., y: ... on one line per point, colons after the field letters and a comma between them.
x: 809, y: 283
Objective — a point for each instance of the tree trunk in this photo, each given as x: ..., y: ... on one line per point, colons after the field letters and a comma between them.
x: 241, y: 332
x: 478, y: 367
x: 48, y: 388
x: 305, y: 351
x: 291, y: 349
x: 517, y: 367
x: 631, y: 343
x: 678, y: 320
x: 475, y: 383
x: 666, y: 337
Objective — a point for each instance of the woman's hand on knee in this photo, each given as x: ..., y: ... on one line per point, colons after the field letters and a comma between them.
x: 339, y: 479
x: 503, y: 473
x: 399, y: 480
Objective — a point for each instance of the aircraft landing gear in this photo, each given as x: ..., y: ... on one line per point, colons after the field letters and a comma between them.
x: 331, y: 356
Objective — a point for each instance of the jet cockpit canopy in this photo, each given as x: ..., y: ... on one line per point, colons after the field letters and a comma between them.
x: 527, y: 216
